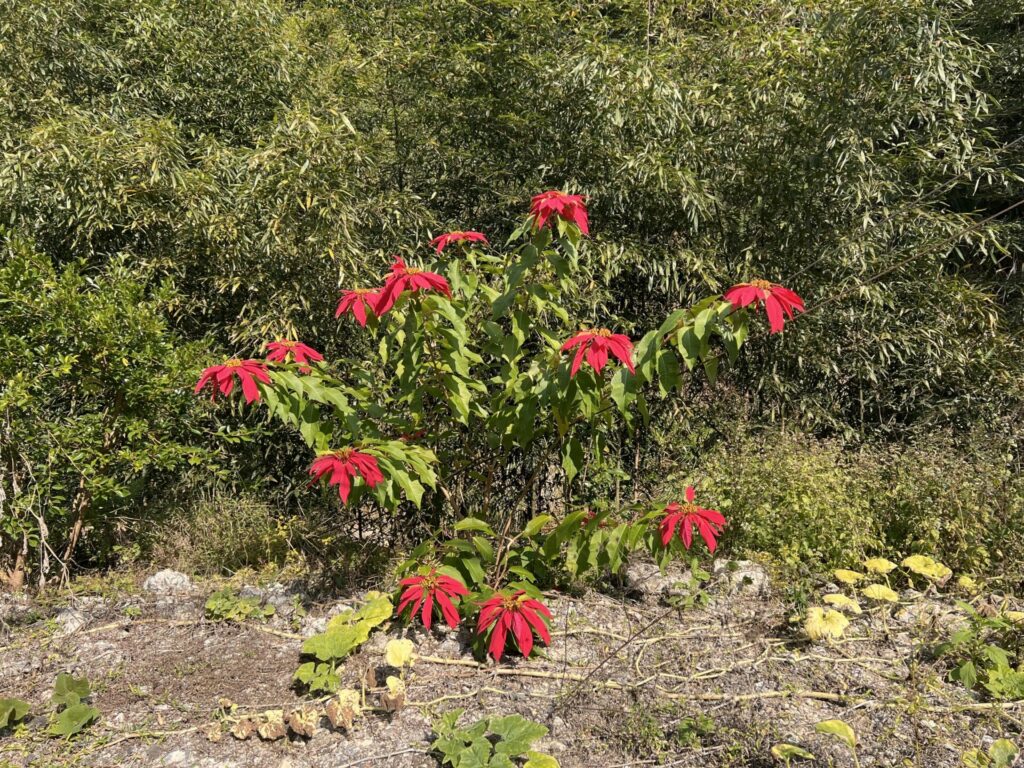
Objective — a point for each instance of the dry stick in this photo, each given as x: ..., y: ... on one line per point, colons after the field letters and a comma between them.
x: 608, y: 657
x: 360, y: 761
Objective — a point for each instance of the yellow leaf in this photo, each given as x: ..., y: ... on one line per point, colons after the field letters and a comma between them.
x: 879, y: 565
x: 395, y: 685
x: 398, y: 653
x: 927, y: 567
x: 966, y: 582
x: 825, y: 624
x: 1017, y: 617
x: 840, y: 730
x: 843, y: 603
x: 787, y: 752
x: 880, y: 592
x: 848, y: 577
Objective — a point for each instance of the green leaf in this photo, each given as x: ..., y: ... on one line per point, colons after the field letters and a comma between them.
x: 68, y: 690
x: 535, y: 525
x: 73, y: 720
x: 840, y: 730
x: 12, y: 710
x: 474, y: 524
x: 787, y: 752
x: 572, y: 458
x: 1003, y: 752
x: 517, y: 734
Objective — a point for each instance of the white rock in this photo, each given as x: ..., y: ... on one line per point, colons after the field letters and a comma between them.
x: 742, y: 577
x: 177, y: 757
x: 168, y: 582
x: 70, y: 620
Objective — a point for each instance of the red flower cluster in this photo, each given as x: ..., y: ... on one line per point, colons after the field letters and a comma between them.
x: 596, y: 345
x: 299, y: 353
x: 223, y: 377
x: 358, y: 302
x: 515, y: 613
x: 776, y: 299
x: 343, y: 466
x: 425, y: 590
x: 402, y: 279
x: 709, y: 522
x: 566, y: 207
x: 443, y: 241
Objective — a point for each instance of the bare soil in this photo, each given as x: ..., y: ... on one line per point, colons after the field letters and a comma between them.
x: 627, y: 681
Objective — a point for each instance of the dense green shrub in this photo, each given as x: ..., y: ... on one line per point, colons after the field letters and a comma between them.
x: 799, y: 501
x: 93, y: 409
x: 820, y: 505
x: 237, y: 161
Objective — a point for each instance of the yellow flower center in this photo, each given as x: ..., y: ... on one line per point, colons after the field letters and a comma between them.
x: 764, y: 285
x: 287, y: 344
x: 233, y: 363
x: 603, y: 332
x: 688, y: 509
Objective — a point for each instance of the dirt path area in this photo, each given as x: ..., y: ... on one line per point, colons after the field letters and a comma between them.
x: 627, y: 681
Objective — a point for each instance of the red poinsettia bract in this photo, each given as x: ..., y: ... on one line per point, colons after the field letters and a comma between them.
x: 555, y: 203
x: 777, y: 300
x: 404, y: 278
x: 299, y: 353
x: 596, y: 345
x: 709, y: 522
x: 343, y: 466
x: 443, y: 241
x: 359, y: 302
x: 516, y: 613
x: 424, y: 591
x: 223, y: 377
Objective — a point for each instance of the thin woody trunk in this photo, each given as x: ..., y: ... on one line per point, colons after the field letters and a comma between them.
x: 16, y: 578
x: 81, y: 505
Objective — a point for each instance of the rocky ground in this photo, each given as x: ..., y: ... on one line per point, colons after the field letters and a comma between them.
x: 633, y: 677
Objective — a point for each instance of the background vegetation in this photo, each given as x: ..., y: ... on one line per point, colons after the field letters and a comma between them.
x: 181, y: 180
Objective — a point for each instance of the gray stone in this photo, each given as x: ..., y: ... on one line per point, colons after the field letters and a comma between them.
x: 742, y: 577
x: 168, y: 582
x: 648, y: 578
x: 177, y: 757
x: 70, y: 620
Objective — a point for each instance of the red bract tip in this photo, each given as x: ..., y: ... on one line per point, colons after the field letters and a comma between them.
x: 342, y: 466
x: 595, y: 346
x: 300, y: 353
x: 685, y: 517
x: 359, y: 302
x: 566, y: 207
x: 443, y: 241
x: 222, y: 377
x: 514, y: 614
x: 777, y: 300
x: 404, y: 278
x: 424, y: 591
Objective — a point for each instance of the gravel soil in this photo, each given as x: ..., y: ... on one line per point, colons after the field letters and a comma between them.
x: 631, y: 679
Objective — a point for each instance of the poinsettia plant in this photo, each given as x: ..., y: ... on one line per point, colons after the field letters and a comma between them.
x: 499, y: 383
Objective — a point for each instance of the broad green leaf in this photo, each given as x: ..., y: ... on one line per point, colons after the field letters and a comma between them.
x: 517, y: 734
x: 1003, y: 753
x: 73, y: 720
x: 474, y: 524
x: 68, y: 690
x: 11, y: 711
x: 788, y: 752
x: 840, y: 730
x: 536, y: 525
